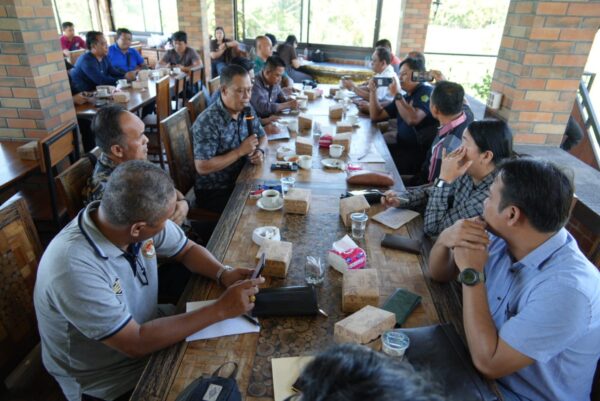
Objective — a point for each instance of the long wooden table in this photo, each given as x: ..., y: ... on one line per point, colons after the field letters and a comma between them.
x: 168, y: 372
x: 12, y: 167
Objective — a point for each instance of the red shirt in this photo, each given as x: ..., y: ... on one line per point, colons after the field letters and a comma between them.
x: 395, y: 60
x: 75, y: 44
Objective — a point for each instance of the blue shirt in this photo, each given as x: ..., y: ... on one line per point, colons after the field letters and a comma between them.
x: 547, y: 306
x: 124, y: 62
x: 89, y: 73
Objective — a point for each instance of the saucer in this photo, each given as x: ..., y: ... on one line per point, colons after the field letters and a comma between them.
x: 269, y: 209
x: 333, y: 163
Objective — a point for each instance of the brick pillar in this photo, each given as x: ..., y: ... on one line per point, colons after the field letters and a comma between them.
x: 35, y: 97
x: 193, y: 20
x: 224, y: 16
x: 544, y: 49
x: 413, y: 26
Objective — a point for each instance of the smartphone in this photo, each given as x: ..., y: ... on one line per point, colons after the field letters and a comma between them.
x: 422, y: 76
x: 259, y: 267
x: 383, y: 81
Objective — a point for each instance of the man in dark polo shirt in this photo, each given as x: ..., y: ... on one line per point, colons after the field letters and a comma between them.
x: 413, y: 115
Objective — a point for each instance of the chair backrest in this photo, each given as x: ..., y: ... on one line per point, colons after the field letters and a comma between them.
x: 176, y: 138
x: 196, y: 105
x: 163, y: 98
x: 180, y: 84
x: 75, y: 54
x: 196, y: 75
x: 54, y: 148
x: 21, y: 252
x: 71, y: 182
x: 213, y: 84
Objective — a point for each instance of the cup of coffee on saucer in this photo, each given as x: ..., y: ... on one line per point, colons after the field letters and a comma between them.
x: 305, y: 162
x: 270, y: 199
x: 336, y: 150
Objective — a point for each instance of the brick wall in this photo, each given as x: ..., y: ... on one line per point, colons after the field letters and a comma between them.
x: 35, y: 96
x: 193, y: 20
x: 544, y: 48
x: 413, y: 26
x: 224, y: 16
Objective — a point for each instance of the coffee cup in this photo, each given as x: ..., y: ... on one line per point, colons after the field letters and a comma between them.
x: 293, y: 125
x: 176, y: 70
x: 156, y: 74
x: 143, y: 75
x: 102, y: 92
x: 302, y: 102
x: 336, y: 150
x: 270, y: 198
x: 305, y: 162
x: 122, y: 83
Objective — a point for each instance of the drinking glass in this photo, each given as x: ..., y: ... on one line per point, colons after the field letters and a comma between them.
x: 286, y: 184
x: 359, y: 223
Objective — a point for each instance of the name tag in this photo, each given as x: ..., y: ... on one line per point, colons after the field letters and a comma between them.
x: 212, y: 393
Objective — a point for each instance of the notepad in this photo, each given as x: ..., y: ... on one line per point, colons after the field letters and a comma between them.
x: 395, y: 218
x: 285, y: 372
x: 227, y: 327
x: 372, y: 156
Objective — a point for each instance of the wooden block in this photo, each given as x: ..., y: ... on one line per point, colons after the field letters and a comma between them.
x: 344, y: 139
x: 359, y: 289
x: 278, y: 255
x: 364, y: 327
x: 139, y: 84
x: 29, y: 151
x: 351, y: 205
x: 304, y: 122
x: 304, y: 146
x: 121, y: 97
x: 336, y: 111
x: 310, y: 94
x: 296, y: 201
x: 341, y: 127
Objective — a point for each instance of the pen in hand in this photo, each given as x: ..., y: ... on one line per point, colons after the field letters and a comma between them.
x: 250, y: 319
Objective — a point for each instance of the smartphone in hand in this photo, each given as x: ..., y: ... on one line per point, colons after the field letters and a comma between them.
x: 422, y: 76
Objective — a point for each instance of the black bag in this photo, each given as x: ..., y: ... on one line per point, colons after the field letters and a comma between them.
x: 286, y: 301
x: 317, y: 56
x: 440, y: 351
x: 213, y: 388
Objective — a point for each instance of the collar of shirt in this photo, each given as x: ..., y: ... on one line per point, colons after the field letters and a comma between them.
x: 387, y: 71
x: 224, y: 113
x: 260, y: 81
x: 106, y: 161
x: 538, y: 257
x: 444, y: 129
x: 103, y: 247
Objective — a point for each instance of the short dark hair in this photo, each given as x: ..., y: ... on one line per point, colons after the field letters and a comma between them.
x: 179, y: 36
x: 542, y: 191
x: 137, y: 191
x: 231, y: 71
x: 383, y: 54
x: 91, y: 38
x: 351, y: 372
x: 274, y: 62
x: 494, y: 136
x: 242, y: 62
x: 272, y: 37
x: 414, y: 64
x: 220, y: 28
x: 66, y: 25
x: 121, y: 31
x: 107, y: 128
x: 291, y: 39
x: 384, y: 43
x: 448, y: 97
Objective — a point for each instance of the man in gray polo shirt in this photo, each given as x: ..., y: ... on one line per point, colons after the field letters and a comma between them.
x: 96, y: 290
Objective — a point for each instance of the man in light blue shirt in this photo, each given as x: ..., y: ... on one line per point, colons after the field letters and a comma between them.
x: 122, y: 56
x: 535, y: 323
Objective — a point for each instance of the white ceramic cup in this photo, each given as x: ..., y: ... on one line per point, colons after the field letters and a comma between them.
x: 336, y: 150
x: 177, y: 70
x: 122, y: 82
x: 102, y: 92
x: 305, y: 162
x: 302, y: 102
x: 293, y: 125
x: 270, y: 198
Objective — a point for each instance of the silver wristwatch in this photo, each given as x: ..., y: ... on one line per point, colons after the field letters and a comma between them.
x: 222, y: 270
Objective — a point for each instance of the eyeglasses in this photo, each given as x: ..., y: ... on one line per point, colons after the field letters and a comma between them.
x: 136, y: 266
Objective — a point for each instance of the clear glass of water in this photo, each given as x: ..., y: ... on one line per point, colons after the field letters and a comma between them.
x: 314, y: 271
x: 359, y: 224
x: 286, y: 184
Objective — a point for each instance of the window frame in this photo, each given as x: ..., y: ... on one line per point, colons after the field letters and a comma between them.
x: 140, y: 33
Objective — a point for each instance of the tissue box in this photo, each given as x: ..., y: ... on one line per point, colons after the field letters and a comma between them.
x: 343, y: 127
x: 343, y: 139
x: 121, y: 97
x: 359, y: 289
x: 29, y: 151
x: 345, y: 255
x: 297, y: 201
x: 351, y: 205
x: 304, y: 122
x: 364, y: 327
x: 304, y: 146
x: 325, y: 141
x: 278, y: 255
x: 139, y: 84
x: 336, y: 111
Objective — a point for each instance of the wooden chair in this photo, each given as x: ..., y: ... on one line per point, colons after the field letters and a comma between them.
x: 163, y: 110
x: 71, y: 182
x: 196, y: 105
x: 180, y: 99
x: 196, y: 75
x: 213, y: 85
x: 178, y: 146
x: 75, y: 54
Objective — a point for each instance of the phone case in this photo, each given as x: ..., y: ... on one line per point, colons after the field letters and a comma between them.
x: 402, y: 243
x: 292, y: 167
x: 401, y: 303
x: 286, y: 301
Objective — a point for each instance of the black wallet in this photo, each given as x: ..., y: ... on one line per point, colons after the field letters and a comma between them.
x: 286, y: 301
x: 400, y: 242
x: 401, y: 303
x: 439, y: 351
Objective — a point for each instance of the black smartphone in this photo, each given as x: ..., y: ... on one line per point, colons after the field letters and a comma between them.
x: 422, y: 76
x: 383, y: 81
x: 259, y: 267
x: 284, y: 166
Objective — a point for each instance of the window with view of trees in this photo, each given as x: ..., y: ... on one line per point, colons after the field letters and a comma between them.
x: 76, y: 11
x: 330, y: 22
x: 152, y: 16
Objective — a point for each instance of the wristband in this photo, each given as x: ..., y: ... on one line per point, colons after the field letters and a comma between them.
x: 222, y: 270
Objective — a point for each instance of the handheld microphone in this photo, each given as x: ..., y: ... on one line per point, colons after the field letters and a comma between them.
x: 249, y: 117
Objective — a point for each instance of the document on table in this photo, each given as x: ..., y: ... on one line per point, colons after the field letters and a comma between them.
x: 372, y: 156
x: 285, y: 372
x: 228, y: 327
x: 395, y: 218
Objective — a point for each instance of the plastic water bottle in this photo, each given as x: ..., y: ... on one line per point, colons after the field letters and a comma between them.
x: 306, y: 53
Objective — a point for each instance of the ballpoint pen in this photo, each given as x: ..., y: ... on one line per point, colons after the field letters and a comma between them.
x: 251, y: 319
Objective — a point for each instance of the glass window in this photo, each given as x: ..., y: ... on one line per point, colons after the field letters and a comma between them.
x: 279, y: 17
x: 342, y: 22
x: 74, y: 11
x: 390, y: 22
x: 137, y: 15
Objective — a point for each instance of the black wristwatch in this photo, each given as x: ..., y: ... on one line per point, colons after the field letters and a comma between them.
x: 261, y: 150
x: 440, y: 183
x: 398, y: 96
x: 471, y: 277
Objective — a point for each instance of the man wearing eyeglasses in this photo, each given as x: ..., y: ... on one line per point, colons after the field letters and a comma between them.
x: 97, y: 284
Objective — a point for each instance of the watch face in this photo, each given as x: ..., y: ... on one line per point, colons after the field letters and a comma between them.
x: 469, y: 276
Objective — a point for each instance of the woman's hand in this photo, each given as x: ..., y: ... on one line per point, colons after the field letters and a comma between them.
x: 454, y: 165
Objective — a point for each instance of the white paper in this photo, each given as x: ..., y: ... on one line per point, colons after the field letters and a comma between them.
x: 228, y: 327
x: 372, y: 156
x: 395, y: 218
x: 344, y: 244
x: 285, y: 372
